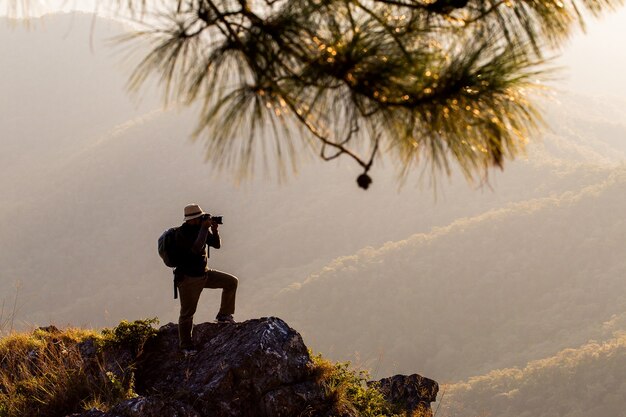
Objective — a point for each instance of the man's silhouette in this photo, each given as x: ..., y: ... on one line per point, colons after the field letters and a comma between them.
x: 193, y: 238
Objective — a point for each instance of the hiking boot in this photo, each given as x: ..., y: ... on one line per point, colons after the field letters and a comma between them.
x: 225, y: 318
x: 187, y: 352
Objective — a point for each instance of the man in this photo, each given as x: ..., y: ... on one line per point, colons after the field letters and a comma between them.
x: 192, y: 275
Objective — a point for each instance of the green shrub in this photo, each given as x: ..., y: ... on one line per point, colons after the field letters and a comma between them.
x: 132, y: 335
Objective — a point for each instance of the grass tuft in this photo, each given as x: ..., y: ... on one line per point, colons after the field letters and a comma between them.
x: 348, y: 392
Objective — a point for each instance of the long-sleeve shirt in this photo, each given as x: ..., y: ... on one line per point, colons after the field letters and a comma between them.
x: 193, y: 249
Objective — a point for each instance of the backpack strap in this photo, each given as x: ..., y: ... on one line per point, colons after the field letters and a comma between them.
x: 175, y: 287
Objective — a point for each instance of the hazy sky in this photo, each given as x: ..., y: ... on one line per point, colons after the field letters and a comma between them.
x: 595, y: 62
x: 592, y: 63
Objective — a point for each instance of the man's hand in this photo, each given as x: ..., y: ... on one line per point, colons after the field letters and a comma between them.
x: 206, y: 222
x: 214, y: 226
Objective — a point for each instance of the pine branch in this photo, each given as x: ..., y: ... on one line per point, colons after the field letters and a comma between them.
x: 419, y: 78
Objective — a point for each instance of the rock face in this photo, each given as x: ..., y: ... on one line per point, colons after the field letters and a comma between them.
x: 413, y: 393
x: 258, y: 368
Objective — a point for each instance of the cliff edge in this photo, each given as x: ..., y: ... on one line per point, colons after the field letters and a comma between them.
x: 257, y: 368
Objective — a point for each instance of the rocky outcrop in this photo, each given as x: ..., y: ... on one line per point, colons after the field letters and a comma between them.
x: 412, y: 393
x: 252, y: 369
x: 258, y: 368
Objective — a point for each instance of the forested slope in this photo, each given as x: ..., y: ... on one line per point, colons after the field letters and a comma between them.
x: 582, y: 382
x: 486, y: 292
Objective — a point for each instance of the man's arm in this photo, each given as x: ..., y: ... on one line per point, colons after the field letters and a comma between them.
x: 201, y: 240
x: 213, y: 239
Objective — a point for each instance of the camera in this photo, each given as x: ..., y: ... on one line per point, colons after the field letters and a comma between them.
x: 216, y: 219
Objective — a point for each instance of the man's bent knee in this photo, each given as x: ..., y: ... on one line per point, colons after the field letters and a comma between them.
x: 234, y: 283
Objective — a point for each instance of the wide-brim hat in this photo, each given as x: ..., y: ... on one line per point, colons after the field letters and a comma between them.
x: 193, y: 211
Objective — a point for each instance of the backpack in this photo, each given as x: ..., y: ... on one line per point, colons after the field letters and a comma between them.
x: 167, y: 248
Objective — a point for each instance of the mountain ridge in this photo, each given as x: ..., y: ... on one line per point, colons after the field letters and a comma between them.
x: 526, y: 274
x: 511, y: 209
x: 576, y: 382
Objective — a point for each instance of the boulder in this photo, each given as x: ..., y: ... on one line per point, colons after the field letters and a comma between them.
x: 412, y: 393
x: 258, y: 368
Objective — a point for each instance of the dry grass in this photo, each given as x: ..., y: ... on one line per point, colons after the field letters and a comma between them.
x: 347, y: 391
x: 45, y: 373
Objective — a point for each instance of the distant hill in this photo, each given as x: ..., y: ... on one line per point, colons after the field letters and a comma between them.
x: 486, y: 292
x: 61, y: 85
x: 581, y: 382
